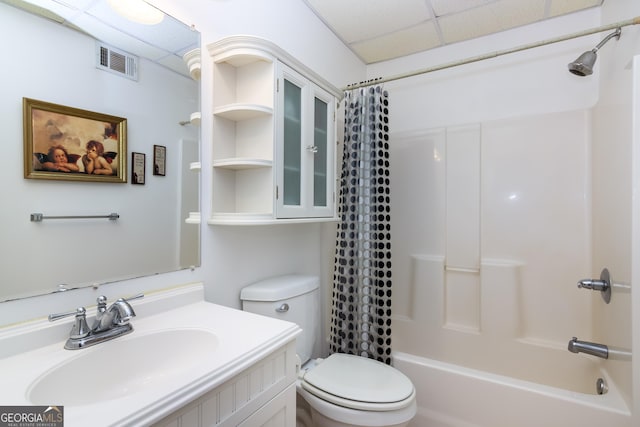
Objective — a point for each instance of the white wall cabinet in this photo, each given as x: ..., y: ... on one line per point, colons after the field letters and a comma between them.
x: 274, y: 136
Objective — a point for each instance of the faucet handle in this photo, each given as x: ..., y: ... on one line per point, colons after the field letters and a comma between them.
x: 80, y: 328
x: 80, y: 311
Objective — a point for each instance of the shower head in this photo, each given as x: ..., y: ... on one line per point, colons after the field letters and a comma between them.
x: 583, y: 66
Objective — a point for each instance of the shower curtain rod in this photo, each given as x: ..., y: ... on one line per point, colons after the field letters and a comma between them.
x: 625, y: 23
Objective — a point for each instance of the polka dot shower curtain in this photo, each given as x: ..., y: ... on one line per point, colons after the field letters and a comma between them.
x: 361, y: 300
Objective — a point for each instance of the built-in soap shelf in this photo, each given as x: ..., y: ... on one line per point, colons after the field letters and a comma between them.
x: 195, y: 166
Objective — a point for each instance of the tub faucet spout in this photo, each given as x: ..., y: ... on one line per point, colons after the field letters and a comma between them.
x: 594, y: 349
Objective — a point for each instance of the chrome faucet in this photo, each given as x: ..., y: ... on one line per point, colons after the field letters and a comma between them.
x: 110, y: 322
x: 594, y: 349
x: 118, y: 314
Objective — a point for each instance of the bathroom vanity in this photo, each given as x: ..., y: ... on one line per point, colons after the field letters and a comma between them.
x: 187, y: 363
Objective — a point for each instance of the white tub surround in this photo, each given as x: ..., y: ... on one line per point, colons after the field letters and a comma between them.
x: 219, y: 349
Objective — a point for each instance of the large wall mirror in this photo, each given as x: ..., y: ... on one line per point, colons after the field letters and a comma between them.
x: 51, y: 52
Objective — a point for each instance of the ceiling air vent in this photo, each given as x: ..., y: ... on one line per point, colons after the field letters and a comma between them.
x: 116, y: 61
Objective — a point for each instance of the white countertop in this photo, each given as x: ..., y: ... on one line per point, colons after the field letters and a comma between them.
x: 243, y: 338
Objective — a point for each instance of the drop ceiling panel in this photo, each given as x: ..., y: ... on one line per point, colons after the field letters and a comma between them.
x: 357, y: 20
x: 378, y: 30
x: 515, y: 14
x: 562, y: 7
x: 468, y: 25
x: 401, y: 43
x: 491, y: 18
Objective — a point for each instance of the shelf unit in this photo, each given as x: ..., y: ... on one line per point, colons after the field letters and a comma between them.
x: 246, y: 104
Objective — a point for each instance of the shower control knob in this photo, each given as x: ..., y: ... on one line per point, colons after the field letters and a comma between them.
x: 596, y: 285
x: 603, y: 285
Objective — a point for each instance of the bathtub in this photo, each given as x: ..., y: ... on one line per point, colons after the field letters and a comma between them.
x: 455, y: 396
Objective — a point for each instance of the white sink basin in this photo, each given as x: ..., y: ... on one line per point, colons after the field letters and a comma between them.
x: 127, y: 365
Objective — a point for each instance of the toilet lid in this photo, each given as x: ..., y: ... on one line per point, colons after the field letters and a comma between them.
x: 359, y: 383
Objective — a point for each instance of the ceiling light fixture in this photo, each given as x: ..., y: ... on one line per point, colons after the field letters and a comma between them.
x: 137, y: 11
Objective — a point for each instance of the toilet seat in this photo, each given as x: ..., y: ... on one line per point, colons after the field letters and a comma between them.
x: 359, y: 383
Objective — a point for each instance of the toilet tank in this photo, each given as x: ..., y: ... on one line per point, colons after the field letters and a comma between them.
x: 294, y: 298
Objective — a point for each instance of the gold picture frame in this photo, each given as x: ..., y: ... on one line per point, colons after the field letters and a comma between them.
x: 70, y: 144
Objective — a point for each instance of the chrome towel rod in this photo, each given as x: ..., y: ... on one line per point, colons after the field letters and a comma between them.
x: 38, y: 217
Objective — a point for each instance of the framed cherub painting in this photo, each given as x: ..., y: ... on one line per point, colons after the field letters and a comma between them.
x: 66, y: 143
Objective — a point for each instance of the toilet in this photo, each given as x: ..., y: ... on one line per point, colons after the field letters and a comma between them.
x: 342, y: 390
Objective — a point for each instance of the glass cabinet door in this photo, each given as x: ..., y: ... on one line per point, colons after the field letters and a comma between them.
x: 305, y: 148
x: 292, y: 137
x: 320, y: 145
x: 323, y: 161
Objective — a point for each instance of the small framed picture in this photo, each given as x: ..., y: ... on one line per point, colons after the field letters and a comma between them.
x: 159, y: 160
x: 137, y: 168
